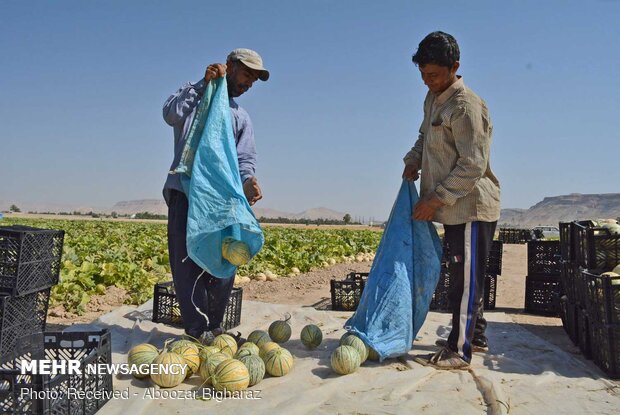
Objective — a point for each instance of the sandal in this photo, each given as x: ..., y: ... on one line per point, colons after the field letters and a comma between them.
x: 444, y: 359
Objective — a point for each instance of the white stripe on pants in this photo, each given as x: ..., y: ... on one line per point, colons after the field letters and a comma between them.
x: 466, y: 288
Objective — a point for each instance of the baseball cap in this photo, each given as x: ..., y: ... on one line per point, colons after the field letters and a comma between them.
x: 251, y: 59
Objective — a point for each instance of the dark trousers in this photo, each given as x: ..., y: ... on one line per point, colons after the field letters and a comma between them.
x: 211, y: 294
x: 468, y: 245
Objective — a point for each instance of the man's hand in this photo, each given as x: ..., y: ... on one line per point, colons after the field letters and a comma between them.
x: 215, y: 70
x: 426, y: 207
x: 252, y: 190
x: 411, y: 172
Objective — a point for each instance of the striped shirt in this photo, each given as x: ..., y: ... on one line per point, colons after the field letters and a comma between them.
x: 453, y: 151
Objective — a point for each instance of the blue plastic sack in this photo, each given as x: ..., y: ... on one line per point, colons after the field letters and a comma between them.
x: 401, y: 282
x: 210, y: 177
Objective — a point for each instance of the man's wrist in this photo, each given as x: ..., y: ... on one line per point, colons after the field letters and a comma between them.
x: 435, y: 201
x: 200, y: 86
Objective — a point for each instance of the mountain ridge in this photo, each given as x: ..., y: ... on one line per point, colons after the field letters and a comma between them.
x: 549, y: 211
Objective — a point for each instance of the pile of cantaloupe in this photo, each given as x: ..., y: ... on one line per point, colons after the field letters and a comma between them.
x: 229, y: 367
x: 351, y: 354
x: 224, y: 364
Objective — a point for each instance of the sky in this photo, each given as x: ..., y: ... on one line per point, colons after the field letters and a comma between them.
x: 82, y: 84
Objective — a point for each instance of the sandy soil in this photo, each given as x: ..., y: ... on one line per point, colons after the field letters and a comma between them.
x: 58, y: 318
x: 313, y: 290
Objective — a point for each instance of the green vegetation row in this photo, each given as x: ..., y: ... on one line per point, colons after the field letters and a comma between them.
x: 134, y: 256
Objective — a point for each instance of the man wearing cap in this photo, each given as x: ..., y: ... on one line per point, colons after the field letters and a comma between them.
x: 243, y: 67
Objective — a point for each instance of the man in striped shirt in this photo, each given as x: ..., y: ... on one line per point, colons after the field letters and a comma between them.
x: 457, y: 189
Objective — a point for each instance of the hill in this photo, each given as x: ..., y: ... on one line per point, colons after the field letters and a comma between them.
x: 555, y: 209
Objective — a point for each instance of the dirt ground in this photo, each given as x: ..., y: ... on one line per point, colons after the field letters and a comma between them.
x: 313, y: 290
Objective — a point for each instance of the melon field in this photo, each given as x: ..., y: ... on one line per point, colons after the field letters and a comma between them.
x: 134, y: 256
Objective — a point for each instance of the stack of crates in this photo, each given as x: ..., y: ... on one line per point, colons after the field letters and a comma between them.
x: 440, y: 301
x: 542, y: 283
x: 29, y: 267
x: 57, y: 394
x: 514, y: 236
x: 572, y: 303
x: 30, y: 261
x: 592, y: 296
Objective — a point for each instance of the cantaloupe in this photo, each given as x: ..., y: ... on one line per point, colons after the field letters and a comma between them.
x: 226, y: 343
x: 311, y: 336
x: 266, y: 348
x: 140, y: 357
x: 358, y: 344
x: 100, y: 289
x: 258, y: 337
x: 613, y: 228
x: 280, y: 330
x: 344, y: 336
x: 345, y: 360
x: 171, y: 371
x: 230, y: 376
x: 207, y: 351
x: 251, y: 347
x: 189, y: 353
x: 373, y: 355
x: 236, y: 252
x: 278, y: 362
x: 242, y: 352
x: 182, y: 343
x: 208, y: 365
x: 256, y: 368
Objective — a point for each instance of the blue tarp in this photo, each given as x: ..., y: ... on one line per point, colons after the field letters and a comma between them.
x: 210, y: 177
x: 401, y: 282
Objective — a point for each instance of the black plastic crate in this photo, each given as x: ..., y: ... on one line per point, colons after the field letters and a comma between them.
x: 514, y: 236
x: 29, y: 259
x: 569, y: 313
x: 543, y: 258
x: 166, y: 307
x: 603, y: 297
x: 581, y: 286
x: 583, y: 325
x: 358, y: 276
x: 568, y: 278
x: 606, y: 350
x: 490, y: 292
x: 440, y: 300
x: 542, y: 295
x: 595, y: 248
x: 566, y: 247
x: 346, y: 294
x: 91, y: 348
x: 21, y: 316
x: 494, y: 262
x: 573, y: 235
x: 569, y: 318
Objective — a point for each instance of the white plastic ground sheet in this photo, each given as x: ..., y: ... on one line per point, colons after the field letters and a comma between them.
x: 522, y: 373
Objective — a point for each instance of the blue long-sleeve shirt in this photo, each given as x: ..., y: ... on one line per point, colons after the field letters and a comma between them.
x: 179, y: 110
